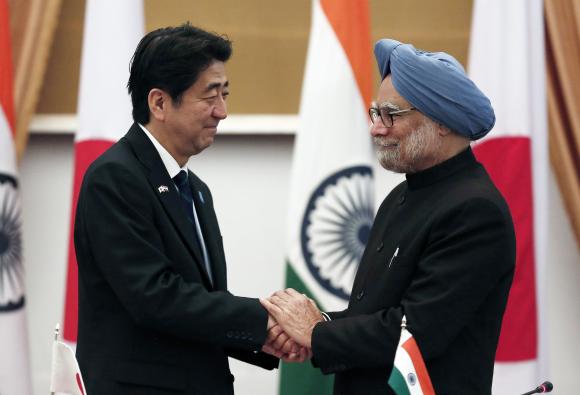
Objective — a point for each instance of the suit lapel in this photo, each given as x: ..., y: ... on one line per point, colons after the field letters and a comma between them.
x: 211, y: 234
x: 165, y: 190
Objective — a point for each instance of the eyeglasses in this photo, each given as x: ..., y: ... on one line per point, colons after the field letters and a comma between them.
x: 386, y: 114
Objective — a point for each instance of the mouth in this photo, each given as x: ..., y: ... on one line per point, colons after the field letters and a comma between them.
x: 386, y: 144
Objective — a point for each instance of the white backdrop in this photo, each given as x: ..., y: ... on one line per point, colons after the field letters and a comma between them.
x: 249, y: 177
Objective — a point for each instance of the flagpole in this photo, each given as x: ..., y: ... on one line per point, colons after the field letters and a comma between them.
x: 56, y: 331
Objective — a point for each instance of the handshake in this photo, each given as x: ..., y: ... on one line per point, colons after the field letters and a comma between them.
x: 291, y: 320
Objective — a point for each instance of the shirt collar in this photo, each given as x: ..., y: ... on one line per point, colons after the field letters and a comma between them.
x: 169, y: 161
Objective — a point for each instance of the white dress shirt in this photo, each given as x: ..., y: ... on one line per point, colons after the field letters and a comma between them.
x: 173, y: 169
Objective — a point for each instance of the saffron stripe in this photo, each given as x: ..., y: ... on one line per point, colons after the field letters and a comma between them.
x: 6, y: 87
x: 351, y: 23
x: 424, y: 380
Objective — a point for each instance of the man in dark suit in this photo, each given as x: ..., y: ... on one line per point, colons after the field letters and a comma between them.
x: 442, y: 247
x: 155, y: 316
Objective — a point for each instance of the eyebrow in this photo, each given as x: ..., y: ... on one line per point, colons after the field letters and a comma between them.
x: 216, y: 85
x: 389, y: 105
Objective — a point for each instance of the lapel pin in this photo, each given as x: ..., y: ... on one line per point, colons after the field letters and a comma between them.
x: 162, y: 189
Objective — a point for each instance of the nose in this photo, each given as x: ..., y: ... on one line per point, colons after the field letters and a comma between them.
x: 379, y: 129
x: 220, y: 110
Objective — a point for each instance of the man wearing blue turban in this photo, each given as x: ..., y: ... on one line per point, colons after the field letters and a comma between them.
x: 442, y: 247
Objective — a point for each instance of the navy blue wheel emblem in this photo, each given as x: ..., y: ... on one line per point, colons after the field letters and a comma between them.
x: 11, y: 270
x: 412, y: 379
x: 336, y: 227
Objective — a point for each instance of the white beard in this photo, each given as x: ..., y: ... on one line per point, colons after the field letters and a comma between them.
x: 419, y: 146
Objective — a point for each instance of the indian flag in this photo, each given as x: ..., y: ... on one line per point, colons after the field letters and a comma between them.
x: 104, y: 106
x: 331, y: 193
x: 14, y: 365
x: 409, y: 375
x: 507, y: 62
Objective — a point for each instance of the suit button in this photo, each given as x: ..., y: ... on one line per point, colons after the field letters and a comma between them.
x: 380, y: 247
x: 360, y: 295
x: 402, y: 199
x: 229, y: 334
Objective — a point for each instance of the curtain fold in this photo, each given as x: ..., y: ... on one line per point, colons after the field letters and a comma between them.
x: 32, y: 24
x: 563, y: 63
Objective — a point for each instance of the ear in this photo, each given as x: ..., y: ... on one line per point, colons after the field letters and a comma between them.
x: 158, y: 102
x: 443, y: 130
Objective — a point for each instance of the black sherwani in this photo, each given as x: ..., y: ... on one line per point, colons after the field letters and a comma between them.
x: 451, y: 278
x: 150, y: 321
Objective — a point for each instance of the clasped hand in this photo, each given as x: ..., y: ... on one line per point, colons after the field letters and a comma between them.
x: 292, y: 317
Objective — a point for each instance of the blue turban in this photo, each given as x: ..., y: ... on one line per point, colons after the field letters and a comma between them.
x: 435, y: 84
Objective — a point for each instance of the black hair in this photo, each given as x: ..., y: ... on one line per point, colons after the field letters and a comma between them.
x: 171, y: 59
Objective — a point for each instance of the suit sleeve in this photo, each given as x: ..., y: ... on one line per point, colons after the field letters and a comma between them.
x: 260, y: 359
x: 116, y: 228
x: 336, y: 315
x: 470, y: 251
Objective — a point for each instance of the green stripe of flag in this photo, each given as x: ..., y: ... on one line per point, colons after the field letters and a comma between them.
x: 302, y: 378
x: 397, y: 383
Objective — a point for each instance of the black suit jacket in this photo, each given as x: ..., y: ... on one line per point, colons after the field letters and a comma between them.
x: 450, y: 277
x: 150, y: 322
